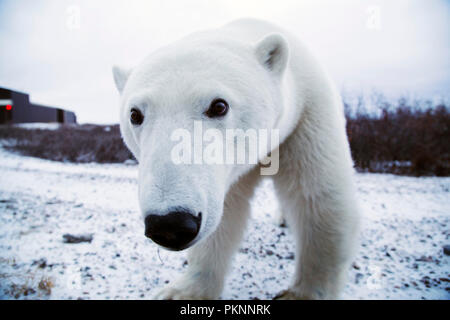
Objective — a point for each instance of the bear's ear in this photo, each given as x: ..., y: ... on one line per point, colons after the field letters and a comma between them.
x: 273, y: 52
x: 120, y: 77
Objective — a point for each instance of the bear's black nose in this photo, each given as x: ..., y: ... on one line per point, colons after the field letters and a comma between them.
x: 174, y: 230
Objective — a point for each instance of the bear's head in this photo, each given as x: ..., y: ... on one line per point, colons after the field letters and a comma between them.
x: 192, y: 86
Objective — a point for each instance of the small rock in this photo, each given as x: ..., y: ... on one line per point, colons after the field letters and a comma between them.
x: 358, y: 277
x: 447, y: 250
x: 243, y: 250
x: 70, y: 238
x: 41, y: 263
x: 7, y: 200
x: 425, y: 259
x: 426, y: 280
x: 290, y: 256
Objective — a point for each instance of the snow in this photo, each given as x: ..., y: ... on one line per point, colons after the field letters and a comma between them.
x: 39, y: 125
x: 400, y: 256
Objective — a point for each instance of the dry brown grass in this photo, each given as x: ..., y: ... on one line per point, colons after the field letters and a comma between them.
x: 34, y: 284
x: 46, y: 284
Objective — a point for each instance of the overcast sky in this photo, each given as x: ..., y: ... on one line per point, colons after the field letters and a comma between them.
x: 61, y: 52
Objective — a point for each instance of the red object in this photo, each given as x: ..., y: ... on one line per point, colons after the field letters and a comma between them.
x: 8, y: 107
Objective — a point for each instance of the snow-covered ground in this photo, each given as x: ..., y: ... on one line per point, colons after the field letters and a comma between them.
x: 400, y: 256
x: 39, y: 125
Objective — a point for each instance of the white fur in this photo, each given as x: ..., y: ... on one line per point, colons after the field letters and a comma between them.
x: 271, y: 81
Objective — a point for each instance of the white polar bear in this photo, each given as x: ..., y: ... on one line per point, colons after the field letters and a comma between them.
x: 246, y: 74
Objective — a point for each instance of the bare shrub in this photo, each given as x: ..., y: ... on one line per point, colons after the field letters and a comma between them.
x: 405, y: 137
x: 402, y: 138
x: 69, y: 143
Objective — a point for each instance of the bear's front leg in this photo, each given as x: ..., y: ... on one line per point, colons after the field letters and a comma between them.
x: 193, y: 285
x: 209, y: 261
x: 325, y: 228
x: 207, y: 265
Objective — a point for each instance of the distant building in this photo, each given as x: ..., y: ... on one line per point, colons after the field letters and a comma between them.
x: 15, y: 107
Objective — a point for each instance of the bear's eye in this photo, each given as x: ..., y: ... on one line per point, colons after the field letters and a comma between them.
x: 136, y: 117
x: 217, y: 108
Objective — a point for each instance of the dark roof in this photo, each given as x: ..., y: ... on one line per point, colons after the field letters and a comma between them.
x: 5, y: 90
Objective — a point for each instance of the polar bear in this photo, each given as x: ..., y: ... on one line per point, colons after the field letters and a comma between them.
x: 246, y: 74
